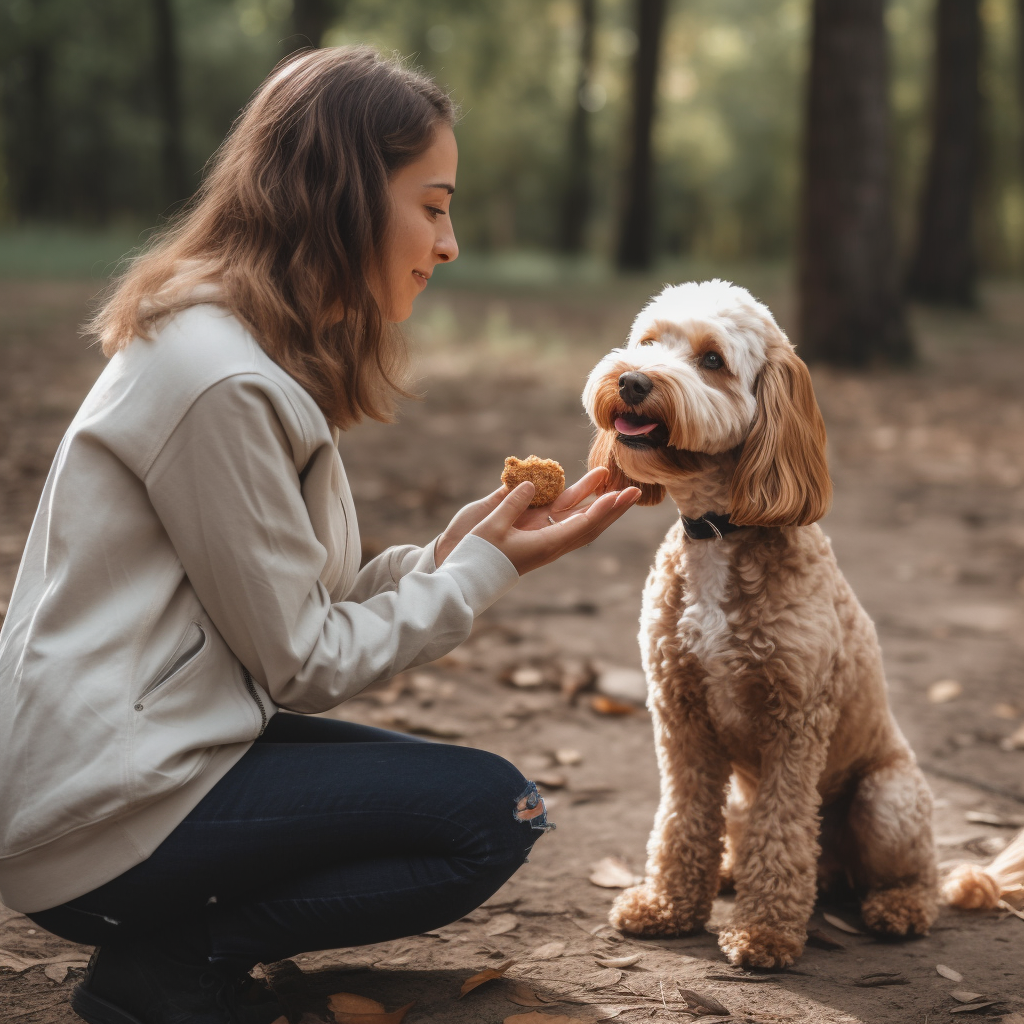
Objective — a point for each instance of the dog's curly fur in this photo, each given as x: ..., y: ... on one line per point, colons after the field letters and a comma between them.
x: 766, y: 688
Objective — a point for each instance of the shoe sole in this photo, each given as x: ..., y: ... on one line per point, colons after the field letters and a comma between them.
x: 94, y: 1010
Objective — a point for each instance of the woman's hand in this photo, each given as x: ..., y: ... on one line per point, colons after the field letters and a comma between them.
x: 528, y: 539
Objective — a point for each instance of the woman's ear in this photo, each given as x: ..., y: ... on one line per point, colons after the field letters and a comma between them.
x: 602, y: 453
x: 782, y: 477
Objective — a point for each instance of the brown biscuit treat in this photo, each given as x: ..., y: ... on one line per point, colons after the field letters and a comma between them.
x: 546, y: 475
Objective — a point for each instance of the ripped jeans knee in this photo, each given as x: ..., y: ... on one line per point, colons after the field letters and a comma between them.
x: 530, y: 808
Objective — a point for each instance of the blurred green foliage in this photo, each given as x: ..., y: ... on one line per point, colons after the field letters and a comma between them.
x: 727, y: 136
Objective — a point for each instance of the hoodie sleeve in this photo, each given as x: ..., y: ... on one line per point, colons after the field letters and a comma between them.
x: 226, y: 487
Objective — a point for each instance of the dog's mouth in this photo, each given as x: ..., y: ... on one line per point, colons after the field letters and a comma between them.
x: 636, y: 430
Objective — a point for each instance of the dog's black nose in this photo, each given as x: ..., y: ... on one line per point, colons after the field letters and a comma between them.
x: 634, y: 387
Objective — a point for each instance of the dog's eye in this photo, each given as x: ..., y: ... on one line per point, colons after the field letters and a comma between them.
x: 646, y: 341
x: 712, y: 361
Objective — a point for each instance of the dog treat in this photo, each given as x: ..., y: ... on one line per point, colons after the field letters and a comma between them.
x: 546, y: 475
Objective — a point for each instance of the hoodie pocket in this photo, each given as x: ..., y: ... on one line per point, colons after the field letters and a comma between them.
x: 189, y: 648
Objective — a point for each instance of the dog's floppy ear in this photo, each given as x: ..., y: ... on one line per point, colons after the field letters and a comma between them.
x: 602, y: 453
x: 782, y: 477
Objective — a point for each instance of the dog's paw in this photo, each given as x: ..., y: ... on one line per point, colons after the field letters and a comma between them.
x: 757, y: 945
x: 644, y: 910
x: 901, y: 911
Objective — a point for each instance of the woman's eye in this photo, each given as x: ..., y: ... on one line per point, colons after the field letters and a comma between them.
x: 711, y: 361
x: 435, y: 212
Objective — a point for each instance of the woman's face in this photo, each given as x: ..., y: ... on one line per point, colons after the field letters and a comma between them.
x: 421, y: 234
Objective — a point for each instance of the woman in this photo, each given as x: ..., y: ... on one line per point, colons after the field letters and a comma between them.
x: 193, y: 568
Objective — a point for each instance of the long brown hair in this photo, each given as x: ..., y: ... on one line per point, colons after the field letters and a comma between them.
x: 290, y: 224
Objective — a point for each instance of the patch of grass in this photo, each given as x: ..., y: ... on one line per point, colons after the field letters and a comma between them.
x: 50, y: 252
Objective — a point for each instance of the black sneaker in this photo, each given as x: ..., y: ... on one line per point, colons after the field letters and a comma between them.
x: 144, y: 985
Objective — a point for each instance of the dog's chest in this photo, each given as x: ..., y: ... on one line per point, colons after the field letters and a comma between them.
x: 704, y: 625
x: 710, y: 637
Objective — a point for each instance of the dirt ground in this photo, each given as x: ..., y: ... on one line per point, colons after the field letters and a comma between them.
x: 928, y: 525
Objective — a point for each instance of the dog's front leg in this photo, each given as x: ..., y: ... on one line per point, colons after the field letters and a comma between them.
x: 775, y: 869
x: 685, y: 847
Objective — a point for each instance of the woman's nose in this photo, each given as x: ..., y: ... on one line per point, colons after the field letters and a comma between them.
x: 446, y: 248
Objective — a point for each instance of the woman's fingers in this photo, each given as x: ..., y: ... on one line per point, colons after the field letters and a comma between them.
x: 510, y: 507
x: 585, y: 486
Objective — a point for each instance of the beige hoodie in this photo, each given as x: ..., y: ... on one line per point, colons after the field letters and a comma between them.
x: 193, y: 566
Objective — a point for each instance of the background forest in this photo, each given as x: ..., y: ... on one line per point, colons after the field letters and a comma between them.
x: 110, y: 109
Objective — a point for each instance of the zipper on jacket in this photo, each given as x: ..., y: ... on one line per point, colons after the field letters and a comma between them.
x: 250, y: 685
x: 180, y: 660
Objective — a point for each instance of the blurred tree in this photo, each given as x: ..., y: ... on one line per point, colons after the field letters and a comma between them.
x: 310, y: 20
x: 167, y: 75
x: 1020, y: 59
x: 31, y: 37
x: 851, y: 309
x: 577, y: 196
x: 943, y: 268
x: 636, y: 229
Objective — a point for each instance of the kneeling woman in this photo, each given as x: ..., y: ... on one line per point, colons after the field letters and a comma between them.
x: 194, y: 567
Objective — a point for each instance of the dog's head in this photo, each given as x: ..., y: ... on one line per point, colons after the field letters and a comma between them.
x: 707, y: 371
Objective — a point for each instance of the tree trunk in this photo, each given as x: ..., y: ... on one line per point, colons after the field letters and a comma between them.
x: 851, y: 309
x: 577, y: 197
x: 635, y: 248
x: 36, y: 198
x: 310, y: 20
x: 1020, y: 63
x: 168, y: 96
x: 943, y: 269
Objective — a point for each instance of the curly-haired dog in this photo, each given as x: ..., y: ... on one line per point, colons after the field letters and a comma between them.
x: 765, y: 677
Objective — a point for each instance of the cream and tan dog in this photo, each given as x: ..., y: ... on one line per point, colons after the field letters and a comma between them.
x: 766, y: 688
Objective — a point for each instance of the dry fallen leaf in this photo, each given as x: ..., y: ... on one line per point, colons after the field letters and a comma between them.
x: 944, y: 690
x: 612, y: 873
x: 703, y: 1005
x: 489, y: 975
x: 973, y: 1007
x: 523, y: 996
x: 880, y: 978
x: 838, y: 922
x: 536, y: 1017
x: 618, y: 961
x: 549, y: 951
x: 609, y: 706
x: 816, y: 937
x: 966, y: 997
x: 568, y: 757
x: 349, y: 1002
x: 948, y: 972
x: 1015, y: 741
x: 998, y: 820
x: 348, y: 1008
x: 57, y: 972
x: 16, y: 963
x: 550, y: 780
x: 603, y: 979
x: 526, y: 677
x: 502, y: 924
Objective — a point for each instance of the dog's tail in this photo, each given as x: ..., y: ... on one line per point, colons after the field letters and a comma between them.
x: 978, y: 887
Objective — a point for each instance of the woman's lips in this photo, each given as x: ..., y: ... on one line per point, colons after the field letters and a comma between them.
x: 421, y: 279
x: 632, y: 429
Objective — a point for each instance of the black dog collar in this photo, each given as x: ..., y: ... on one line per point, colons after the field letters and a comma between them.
x: 709, y: 526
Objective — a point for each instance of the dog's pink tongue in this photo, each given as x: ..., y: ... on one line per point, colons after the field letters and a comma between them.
x: 627, y: 428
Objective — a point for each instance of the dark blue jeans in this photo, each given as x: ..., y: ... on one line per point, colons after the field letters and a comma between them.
x: 325, y: 834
